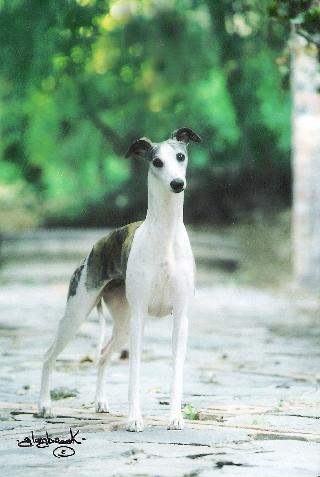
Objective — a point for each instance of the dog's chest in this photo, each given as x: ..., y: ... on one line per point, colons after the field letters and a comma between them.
x: 160, y: 272
x: 161, y: 286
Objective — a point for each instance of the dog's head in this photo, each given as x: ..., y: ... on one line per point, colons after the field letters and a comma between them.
x: 168, y: 159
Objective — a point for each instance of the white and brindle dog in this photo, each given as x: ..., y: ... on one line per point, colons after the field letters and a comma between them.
x: 142, y: 268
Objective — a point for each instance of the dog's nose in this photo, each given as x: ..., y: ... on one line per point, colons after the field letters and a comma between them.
x: 177, y: 185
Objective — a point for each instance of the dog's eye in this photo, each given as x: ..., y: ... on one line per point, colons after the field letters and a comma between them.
x: 180, y: 157
x: 157, y: 162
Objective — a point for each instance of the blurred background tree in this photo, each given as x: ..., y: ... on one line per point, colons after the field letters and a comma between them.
x: 80, y: 79
x: 304, y: 18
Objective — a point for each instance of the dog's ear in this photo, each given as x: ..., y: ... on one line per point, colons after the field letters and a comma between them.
x: 185, y: 135
x: 140, y: 147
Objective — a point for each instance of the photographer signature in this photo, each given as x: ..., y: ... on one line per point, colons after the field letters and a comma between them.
x: 63, y: 450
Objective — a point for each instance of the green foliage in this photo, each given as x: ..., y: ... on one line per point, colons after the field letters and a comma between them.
x: 189, y: 412
x: 80, y: 79
x: 305, y: 14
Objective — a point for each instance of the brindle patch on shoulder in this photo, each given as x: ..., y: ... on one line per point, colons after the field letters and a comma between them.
x: 74, y: 282
x: 126, y: 247
x: 108, y: 257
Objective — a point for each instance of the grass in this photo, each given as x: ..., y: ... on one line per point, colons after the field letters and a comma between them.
x: 63, y: 393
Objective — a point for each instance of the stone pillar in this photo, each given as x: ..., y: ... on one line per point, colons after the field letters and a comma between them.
x: 306, y: 163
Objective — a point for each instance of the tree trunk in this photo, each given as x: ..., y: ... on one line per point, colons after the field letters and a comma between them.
x: 306, y: 163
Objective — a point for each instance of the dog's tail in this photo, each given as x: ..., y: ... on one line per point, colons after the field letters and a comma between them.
x: 102, y: 330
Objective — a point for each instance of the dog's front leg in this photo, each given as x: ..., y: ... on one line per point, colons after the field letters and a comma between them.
x: 135, y: 422
x: 179, y: 345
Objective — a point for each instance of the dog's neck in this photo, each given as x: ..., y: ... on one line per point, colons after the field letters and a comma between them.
x: 165, y: 208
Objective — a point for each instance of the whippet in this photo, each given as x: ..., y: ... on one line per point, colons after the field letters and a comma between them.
x: 142, y: 268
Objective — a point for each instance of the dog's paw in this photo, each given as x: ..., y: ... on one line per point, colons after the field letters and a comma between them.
x: 46, y: 411
x: 102, y: 406
x: 176, y: 423
x: 135, y: 425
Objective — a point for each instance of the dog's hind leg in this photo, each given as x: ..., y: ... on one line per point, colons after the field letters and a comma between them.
x: 79, y: 305
x: 102, y: 330
x: 117, y: 304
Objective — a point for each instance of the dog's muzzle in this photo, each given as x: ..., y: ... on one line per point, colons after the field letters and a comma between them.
x: 177, y: 185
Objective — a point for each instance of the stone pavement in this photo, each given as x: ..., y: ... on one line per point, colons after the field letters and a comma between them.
x: 252, y: 378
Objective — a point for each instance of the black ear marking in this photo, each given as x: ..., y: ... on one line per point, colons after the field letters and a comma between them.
x: 140, y: 147
x: 185, y: 135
